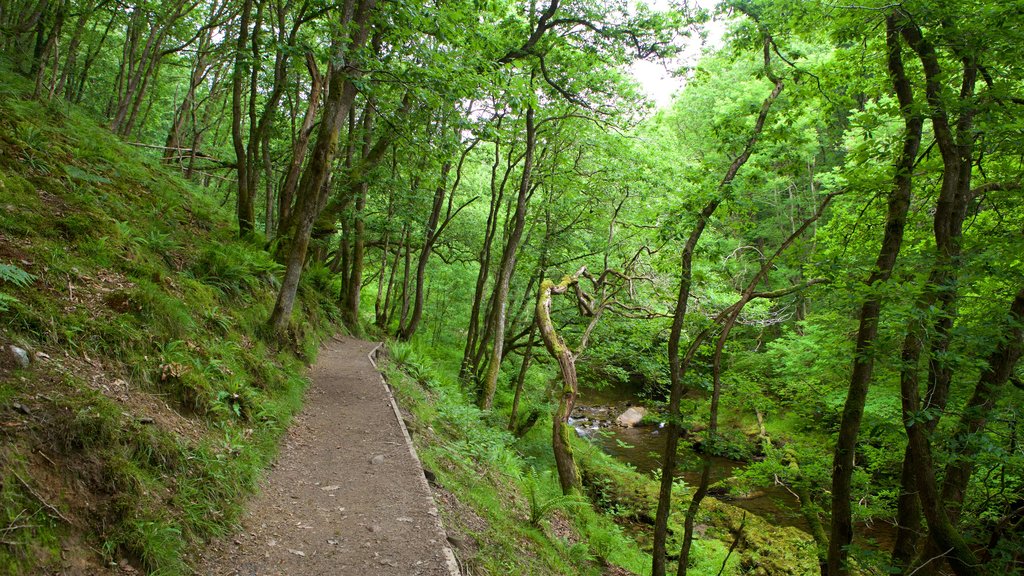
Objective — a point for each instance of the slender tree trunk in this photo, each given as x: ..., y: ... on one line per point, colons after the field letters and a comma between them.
x: 506, y: 267
x: 429, y: 237
x: 853, y: 410
x: 676, y: 364
x: 244, y: 211
x: 467, y: 369
x: 354, y: 284
x: 286, y: 196
x: 403, y: 317
x: 389, y: 299
x: 380, y: 304
x: 521, y: 378
x: 76, y: 95
x: 940, y: 293
x: 311, y: 195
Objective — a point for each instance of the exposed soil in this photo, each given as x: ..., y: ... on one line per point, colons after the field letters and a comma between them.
x: 346, y: 495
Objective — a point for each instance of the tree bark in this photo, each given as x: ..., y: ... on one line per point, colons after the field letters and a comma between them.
x: 506, y: 267
x: 429, y: 238
x: 841, y: 534
x: 311, y: 195
x: 286, y: 196
x: 467, y: 369
x: 676, y: 369
x: 568, y: 475
x: 354, y: 283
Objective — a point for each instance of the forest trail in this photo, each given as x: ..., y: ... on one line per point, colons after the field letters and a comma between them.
x: 347, y: 495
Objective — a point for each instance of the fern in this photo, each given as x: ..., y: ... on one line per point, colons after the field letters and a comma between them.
x: 5, y: 301
x: 15, y: 275
x: 540, y: 506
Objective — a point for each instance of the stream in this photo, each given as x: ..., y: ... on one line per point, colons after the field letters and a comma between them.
x: 642, y: 447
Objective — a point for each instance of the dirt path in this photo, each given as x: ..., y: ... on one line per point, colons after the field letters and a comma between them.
x: 347, y: 494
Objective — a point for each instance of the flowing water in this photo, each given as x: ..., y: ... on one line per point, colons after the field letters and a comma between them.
x: 643, y: 446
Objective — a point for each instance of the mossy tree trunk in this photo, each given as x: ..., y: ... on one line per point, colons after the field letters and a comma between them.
x: 311, y: 194
x: 568, y: 475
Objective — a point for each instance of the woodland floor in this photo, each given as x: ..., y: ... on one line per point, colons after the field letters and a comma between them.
x: 345, y: 496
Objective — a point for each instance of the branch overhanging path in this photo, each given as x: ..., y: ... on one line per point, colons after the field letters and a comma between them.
x: 346, y: 495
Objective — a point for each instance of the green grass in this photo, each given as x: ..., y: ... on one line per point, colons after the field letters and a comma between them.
x: 160, y: 404
x: 491, y: 472
x: 510, y: 484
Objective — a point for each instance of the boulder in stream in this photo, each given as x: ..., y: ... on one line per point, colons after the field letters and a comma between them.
x: 631, y: 417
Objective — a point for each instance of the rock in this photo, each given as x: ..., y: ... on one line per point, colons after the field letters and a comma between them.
x: 631, y: 417
x: 19, y: 355
x: 378, y: 459
x: 457, y: 542
x: 429, y: 475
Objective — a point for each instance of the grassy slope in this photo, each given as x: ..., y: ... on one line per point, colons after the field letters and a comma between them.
x: 502, y: 485
x: 151, y: 403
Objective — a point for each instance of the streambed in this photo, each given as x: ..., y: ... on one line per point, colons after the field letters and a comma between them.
x: 642, y: 447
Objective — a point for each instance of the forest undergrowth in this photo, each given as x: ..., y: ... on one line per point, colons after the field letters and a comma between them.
x: 147, y: 400
x: 511, y: 514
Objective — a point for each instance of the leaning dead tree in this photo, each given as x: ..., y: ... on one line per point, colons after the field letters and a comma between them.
x: 605, y: 291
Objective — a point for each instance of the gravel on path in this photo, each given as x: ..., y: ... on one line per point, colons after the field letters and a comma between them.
x: 346, y: 495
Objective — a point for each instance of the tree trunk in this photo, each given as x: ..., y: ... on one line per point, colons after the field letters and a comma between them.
x: 568, y: 475
x: 521, y: 378
x: 467, y: 369
x: 286, y: 196
x: 244, y: 212
x: 676, y: 365
x: 429, y: 237
x: 853, y: 410
x: 311, y: 194
x: 354, y: 284
x: 506, y: 267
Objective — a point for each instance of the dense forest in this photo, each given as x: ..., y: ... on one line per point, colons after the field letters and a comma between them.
x: 810, y: 261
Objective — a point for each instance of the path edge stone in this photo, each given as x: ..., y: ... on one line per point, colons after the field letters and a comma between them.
x: 449, y: 555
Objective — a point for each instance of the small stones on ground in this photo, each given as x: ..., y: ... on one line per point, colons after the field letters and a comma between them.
x: 330, y: 488
x: 21, y: 409
x: 374, y: 528
x: 297, y: 552
x: 404, y: 519
x: 378, y: 459
x: 332, y: 542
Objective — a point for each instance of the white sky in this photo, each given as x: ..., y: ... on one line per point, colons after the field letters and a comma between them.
x: 660, y: 80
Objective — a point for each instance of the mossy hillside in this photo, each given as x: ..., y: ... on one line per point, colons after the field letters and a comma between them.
x: 152, y: 401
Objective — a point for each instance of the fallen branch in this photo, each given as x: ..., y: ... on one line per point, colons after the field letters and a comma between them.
x: 41, y: 500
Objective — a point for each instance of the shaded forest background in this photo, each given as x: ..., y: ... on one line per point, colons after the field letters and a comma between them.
x: 816, y: 249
